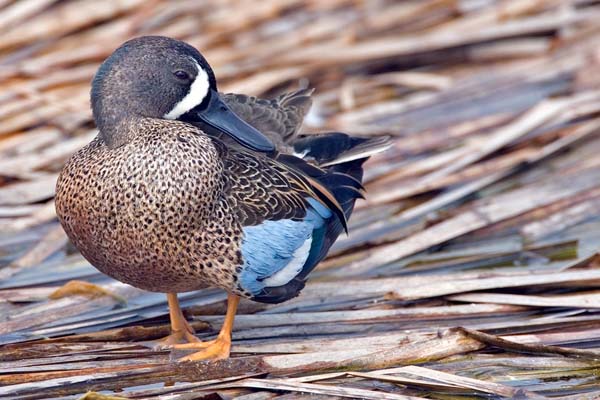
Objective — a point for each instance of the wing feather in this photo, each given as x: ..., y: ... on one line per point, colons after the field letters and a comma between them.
x: 279, y: 119
x: 263, y: 188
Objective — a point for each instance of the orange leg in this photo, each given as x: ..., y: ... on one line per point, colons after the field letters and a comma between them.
x: 219, y: 348
x: 181, y: 330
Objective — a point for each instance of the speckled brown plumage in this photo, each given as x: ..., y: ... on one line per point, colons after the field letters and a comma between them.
x: 165, y: 211
x: 152, y: 213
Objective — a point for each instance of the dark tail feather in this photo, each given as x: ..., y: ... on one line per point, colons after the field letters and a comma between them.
x: 332, y: 148
x: 340, y: 158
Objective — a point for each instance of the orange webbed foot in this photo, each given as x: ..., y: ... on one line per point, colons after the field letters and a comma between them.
x: 218, y: 349
x: 181, y: 330
x: 176, y: 338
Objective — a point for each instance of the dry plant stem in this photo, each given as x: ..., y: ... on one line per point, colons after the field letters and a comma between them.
x: 530, y: 348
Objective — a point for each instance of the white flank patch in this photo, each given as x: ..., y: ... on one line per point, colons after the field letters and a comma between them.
x: 288, y: 273
x: 198, y: 91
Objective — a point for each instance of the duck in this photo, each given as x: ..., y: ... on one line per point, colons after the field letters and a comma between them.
x: 185, y: 188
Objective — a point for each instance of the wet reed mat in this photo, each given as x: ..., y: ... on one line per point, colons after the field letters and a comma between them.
x: 470, y: 272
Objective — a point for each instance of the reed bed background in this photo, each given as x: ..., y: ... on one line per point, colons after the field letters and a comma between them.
x: 471, y: 271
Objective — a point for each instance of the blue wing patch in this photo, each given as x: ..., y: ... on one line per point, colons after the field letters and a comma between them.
x: 274, y: 252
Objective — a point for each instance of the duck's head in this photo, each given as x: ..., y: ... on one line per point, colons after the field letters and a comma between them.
x: 160, y: 77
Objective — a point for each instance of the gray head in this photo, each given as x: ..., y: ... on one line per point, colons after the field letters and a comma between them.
x: 160, y: 77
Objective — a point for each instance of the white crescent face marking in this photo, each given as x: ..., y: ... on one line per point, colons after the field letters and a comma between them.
x: 198, y: 91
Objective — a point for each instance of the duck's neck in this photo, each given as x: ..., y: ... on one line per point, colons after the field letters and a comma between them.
x: 116, y: 130
x: 115, y: 114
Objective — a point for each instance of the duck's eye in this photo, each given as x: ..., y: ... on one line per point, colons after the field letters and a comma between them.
x: 184, y: 76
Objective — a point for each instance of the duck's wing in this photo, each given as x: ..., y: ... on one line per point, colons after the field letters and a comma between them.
x: 284, y: 214
x: 262, y: 188
x: 291, y: 213
x: 279, y: 119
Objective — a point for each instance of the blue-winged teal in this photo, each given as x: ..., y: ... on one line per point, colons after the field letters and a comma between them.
x: 180, y: 190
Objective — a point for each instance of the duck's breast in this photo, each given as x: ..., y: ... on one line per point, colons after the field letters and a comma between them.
x: 145, y: 213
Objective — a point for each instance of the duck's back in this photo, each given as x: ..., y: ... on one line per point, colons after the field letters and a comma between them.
x: 279, y: 119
